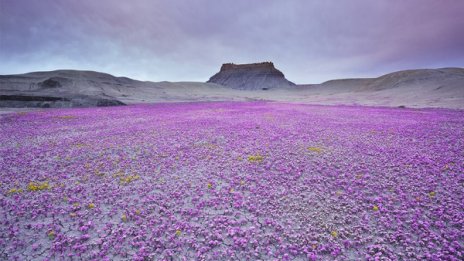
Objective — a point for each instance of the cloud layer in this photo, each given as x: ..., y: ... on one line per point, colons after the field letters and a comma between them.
x: 180, y: 40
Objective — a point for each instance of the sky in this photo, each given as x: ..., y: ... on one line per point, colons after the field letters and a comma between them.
x: 310, y: 41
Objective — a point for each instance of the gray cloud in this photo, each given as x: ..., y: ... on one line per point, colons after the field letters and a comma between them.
x: 310, y: 41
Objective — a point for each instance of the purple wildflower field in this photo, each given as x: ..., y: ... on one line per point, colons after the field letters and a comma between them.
x: 232, y: 180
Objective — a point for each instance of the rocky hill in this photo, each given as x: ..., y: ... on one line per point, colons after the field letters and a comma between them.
x: 61, y: 88
x: 74, y: 88
x: 443, y: 87
x: 254, y: 76
x: 420, y: 81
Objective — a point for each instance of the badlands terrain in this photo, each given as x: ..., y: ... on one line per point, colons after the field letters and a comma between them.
x: 442, y: 88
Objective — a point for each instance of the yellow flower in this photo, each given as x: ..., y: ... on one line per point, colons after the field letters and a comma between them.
x: 66, y: 117
x: 178, y: 232
x: 138, y: 212
x: 375, y: 208
x: 128, y: 179
x: 124, y: 218
x: 35, y: 186
x: 315, y: 149
x: 255, y: 158
x: 14, y: 190
x: 432, y: 194
x: 210, y: 185
x: 51, y: 235
x: 334, y: 233
x: 91, y: 205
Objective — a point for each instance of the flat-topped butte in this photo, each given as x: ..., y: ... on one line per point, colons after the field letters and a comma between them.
x: 253, y: 76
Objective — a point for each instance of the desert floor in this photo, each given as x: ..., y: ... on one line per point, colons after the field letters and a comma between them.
x: 232, y: 180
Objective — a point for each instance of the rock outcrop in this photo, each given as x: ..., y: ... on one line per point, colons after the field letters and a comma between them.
x: 254, y: 76
x: 60, y: 89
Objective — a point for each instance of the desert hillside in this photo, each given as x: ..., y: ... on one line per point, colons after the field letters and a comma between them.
x: 442, y: 88
x: 73, y: 88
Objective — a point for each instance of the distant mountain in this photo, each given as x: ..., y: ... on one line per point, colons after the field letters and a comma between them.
x: 253, y: 76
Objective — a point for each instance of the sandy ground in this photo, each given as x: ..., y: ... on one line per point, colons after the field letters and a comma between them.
x: 388, y: 98
x: 392, y: 98
x: 12, y: 110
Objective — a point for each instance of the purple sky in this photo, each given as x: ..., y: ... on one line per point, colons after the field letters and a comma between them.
x: 181, y: 40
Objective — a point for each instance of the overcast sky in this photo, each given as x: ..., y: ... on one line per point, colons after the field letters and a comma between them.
x: 186, y: 40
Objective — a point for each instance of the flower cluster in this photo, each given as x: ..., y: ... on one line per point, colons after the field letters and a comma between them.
x: 35, y: 186
x: 232, y: 180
